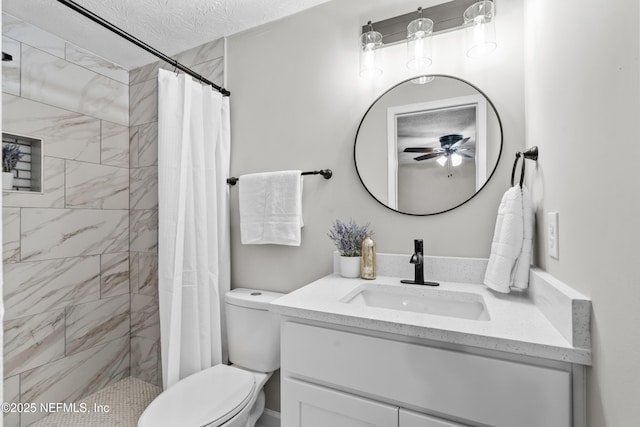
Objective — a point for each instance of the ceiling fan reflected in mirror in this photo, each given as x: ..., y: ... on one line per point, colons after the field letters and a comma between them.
x: 450, y: 152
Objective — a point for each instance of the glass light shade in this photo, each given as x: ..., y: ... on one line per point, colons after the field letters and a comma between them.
x: 480, y: 29
x: 370, y: 64
x: 456, y: 159
x: 419, y: 43
x: 442, y: 160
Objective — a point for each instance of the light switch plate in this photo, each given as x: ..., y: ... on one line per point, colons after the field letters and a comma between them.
x: 552, y: 234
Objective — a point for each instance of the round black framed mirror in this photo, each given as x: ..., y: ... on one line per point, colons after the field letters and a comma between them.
x: 428, y: 145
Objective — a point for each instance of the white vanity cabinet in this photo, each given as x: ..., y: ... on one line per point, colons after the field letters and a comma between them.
x: 310, y: 405
x: 340, y: 376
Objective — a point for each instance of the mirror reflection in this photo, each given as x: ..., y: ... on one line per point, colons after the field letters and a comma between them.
x: 428, y: 145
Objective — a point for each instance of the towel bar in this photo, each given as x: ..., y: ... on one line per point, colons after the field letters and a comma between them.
x: 326, y: 173
x: 531, y: 154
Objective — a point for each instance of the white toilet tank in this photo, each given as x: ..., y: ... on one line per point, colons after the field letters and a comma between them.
x: 252, y: 331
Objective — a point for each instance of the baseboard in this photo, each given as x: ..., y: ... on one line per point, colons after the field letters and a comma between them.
x: 269, y: 418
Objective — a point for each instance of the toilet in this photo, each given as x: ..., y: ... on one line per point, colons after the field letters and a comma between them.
x: 229, y: 396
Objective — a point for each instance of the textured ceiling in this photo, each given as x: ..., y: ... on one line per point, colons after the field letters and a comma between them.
x: 170, y: 26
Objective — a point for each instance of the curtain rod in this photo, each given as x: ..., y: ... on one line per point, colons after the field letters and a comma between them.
x: 109, y: 26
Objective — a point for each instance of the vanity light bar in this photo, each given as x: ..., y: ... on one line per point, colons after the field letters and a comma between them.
x: 446, y: 17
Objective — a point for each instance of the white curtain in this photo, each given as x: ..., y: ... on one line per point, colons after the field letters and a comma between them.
x: 193, y: 240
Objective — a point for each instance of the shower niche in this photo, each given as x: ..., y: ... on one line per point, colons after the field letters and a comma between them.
x: 25, y: 172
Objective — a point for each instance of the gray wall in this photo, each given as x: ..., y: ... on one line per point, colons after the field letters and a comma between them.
x: 583, y: 94
x: 299, y: 108
x: 297, y: 99
x: 65, y: 252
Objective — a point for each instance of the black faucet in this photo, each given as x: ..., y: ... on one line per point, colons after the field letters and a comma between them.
x: 417, y: 259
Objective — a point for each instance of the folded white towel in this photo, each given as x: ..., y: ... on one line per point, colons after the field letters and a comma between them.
x: 510, y: 257
x: 271, y: 208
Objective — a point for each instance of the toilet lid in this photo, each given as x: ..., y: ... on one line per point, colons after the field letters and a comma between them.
x: 209, y: 397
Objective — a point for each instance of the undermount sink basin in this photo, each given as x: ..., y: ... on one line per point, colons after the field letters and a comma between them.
x: 463, y: 305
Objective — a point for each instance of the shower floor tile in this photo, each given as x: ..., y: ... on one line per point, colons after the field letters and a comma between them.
x: 125, y: 399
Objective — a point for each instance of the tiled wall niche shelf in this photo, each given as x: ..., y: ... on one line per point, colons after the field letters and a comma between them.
x: 27, y: 176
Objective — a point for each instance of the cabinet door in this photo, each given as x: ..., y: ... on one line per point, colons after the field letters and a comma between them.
x: 465, y: 386
x: 414, y: 419
x: 308, y: 405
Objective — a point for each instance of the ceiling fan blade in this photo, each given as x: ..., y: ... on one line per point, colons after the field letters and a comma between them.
x: 422, y: 149
x: 464, y: 155
x: 459, y: 143
x: 427, y: 157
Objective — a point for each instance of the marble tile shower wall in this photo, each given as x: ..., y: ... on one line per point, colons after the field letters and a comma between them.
x: 81, y: 282
x: 207, y: 60
x: 66, y: 251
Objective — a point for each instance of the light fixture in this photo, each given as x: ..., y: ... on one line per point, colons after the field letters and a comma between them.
x: 419, y: 43
x: 480, y: 29
x: 475, y: 17
x: 450, y: 160
x: 370, y: 64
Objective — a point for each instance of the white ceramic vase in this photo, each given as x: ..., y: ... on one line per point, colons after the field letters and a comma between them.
x: 7, y: 180
x: 350, y: 266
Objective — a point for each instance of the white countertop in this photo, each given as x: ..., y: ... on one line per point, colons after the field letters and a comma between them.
x: 517, y: 324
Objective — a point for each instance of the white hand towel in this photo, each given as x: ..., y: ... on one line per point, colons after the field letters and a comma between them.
x: 523, y: 263
x: 271, y: 208
x: 510, y: 257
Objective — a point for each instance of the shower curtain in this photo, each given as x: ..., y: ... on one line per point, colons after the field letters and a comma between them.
x: 193, y: 239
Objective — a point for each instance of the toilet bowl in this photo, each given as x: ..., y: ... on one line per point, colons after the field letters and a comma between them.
x: 223, y: 395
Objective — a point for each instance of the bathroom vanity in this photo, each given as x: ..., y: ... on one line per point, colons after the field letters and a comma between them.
x: 380, y: 353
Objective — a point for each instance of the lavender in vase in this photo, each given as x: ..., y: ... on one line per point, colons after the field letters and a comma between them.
x: 11, y: 155
x: 348, y: 239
